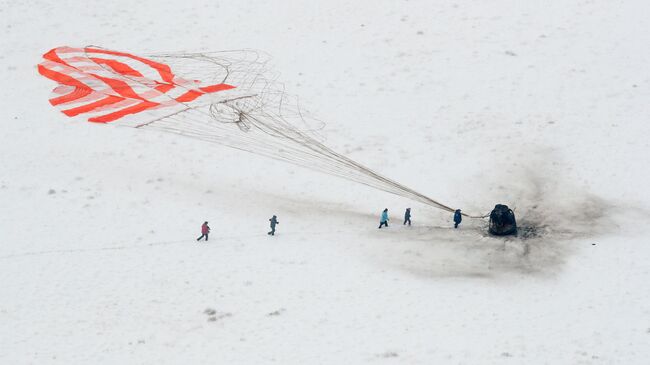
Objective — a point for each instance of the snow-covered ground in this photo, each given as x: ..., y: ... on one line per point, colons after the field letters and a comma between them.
x: 540, y: 105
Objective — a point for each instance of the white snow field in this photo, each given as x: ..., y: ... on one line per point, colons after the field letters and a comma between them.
x: 543, y: 106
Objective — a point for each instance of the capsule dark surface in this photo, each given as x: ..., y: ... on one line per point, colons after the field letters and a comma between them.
x: 502, y: 221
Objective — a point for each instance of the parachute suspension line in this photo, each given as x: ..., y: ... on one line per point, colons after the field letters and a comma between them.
x: 304, y: 151
x: 264, y: 129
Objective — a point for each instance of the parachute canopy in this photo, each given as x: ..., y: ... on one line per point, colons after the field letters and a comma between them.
x: 107, y: 85
x: 228, y: 98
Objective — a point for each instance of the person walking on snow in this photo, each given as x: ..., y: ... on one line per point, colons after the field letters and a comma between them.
x: 457, y: 218
x: 407, y: 216
x: 204, y: 231
x: 383, y: 221
x: 274, y: 221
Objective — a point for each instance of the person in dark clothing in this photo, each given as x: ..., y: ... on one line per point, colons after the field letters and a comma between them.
x: 204, y: 231
x: 407, y: 216
x: 274, y: 221
x: 457, y: 218
x: 383, y: 221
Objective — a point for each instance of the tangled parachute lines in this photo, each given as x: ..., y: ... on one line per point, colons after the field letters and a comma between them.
x: 229, y: 98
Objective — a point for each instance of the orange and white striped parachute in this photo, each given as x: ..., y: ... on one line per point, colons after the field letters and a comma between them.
x: 107, y: 85
x: 228, y: 98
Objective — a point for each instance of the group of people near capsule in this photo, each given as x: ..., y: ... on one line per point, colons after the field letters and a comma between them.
x: 383, y: 220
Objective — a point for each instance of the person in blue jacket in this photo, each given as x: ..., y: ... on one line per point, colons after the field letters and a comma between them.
x: 407, y: 216
x: 457, y: 218
x: 383, y: 221
x: 274, y: 221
